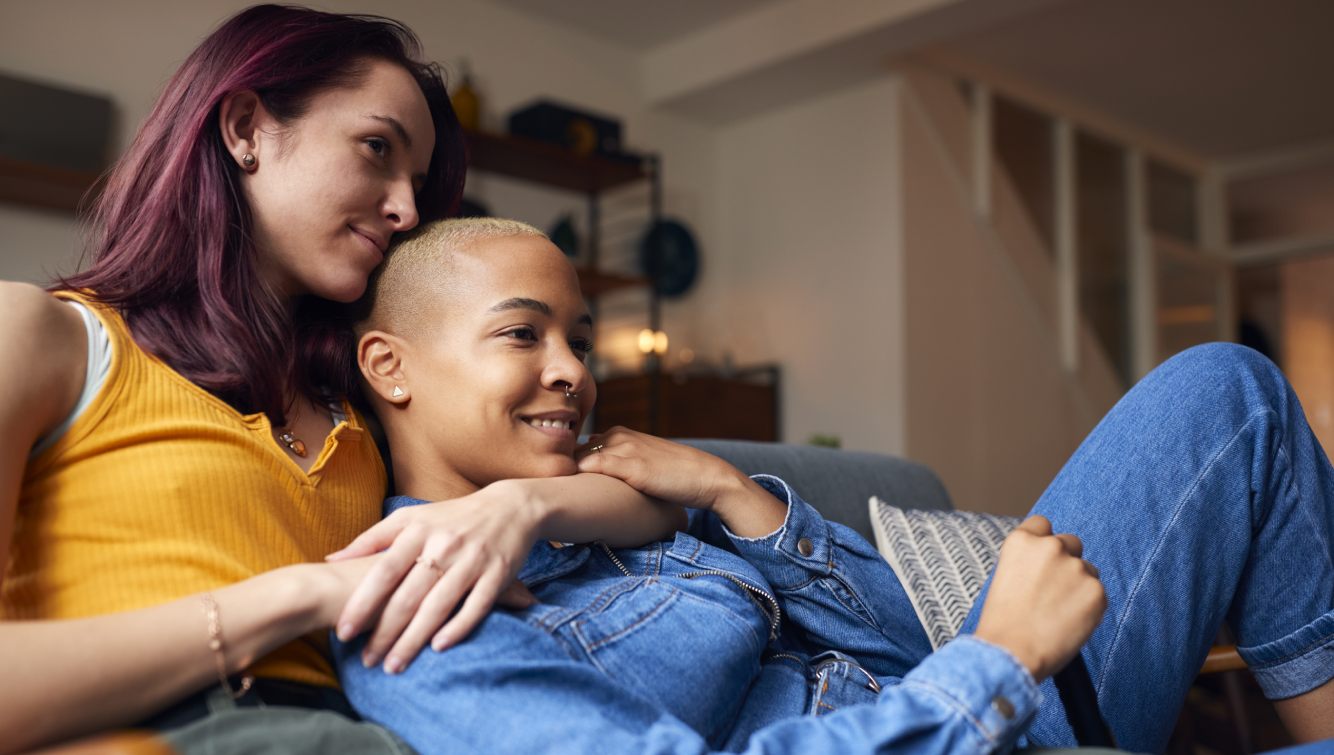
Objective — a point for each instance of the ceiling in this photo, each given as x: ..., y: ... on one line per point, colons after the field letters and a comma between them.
x: 637, y: 24
x: 1219, y: 77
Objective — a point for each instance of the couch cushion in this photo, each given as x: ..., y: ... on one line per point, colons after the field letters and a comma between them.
x: 839, y: 484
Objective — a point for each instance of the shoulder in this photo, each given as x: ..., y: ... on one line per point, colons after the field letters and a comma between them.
x: 31, y: 315
x: 43, y: 351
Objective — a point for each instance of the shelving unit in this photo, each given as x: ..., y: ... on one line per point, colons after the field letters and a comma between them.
x: 44, y: 186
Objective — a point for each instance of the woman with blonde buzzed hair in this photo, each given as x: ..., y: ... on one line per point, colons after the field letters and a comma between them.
x: 763, y: 628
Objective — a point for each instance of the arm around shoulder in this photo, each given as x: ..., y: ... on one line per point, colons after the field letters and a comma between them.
x: 64, y: 678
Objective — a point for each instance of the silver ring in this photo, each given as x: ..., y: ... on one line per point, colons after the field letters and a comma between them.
x: 570, y: 395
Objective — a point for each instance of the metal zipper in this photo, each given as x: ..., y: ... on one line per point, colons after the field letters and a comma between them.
x: 615, y: 560
x: 769, y: 606
x: 775, y: 615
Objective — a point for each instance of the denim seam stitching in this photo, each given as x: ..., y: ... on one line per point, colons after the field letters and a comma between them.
x: 1157, y: 549
x: 1306, y: 514
x: 1270, y: 664
x: 961, y: 709
x: 860, y: 613
x: 640, y: 620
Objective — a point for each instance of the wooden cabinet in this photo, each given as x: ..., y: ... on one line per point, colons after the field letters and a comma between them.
x: 743, y: 407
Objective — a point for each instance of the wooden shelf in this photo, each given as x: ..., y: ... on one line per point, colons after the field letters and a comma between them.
x: 593, y: 283
x: 44, y: 186
x: 548, y: 164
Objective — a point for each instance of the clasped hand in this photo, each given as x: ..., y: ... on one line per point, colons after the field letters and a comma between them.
x: 1045, y: 600
x: 435, y: 555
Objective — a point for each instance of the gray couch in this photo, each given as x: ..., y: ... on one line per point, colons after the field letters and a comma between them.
x: 836, y: 483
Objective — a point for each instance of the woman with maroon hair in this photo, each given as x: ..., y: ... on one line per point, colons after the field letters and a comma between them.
x: 180, y: 453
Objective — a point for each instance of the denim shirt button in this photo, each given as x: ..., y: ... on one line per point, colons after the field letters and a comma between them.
x: 804, y: 546
x: 1003, y: 707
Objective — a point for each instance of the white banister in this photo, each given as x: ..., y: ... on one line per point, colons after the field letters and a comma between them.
x: 1067, y: 259
x: 1211, y: 212
x: 981, y: 148
x: 1143, y: 291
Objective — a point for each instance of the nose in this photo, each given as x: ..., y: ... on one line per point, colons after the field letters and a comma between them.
x: 400, y: 206
x: 566, y: 373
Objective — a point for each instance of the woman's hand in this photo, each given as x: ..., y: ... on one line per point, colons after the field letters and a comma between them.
x: 436, y: 554
x: 1045, y: 601
x: 683, y: 475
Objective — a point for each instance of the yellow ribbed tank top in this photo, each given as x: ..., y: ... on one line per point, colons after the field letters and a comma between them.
x: 160, y: 490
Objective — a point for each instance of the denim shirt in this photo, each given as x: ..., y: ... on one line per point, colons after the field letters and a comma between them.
x: 799, y: 641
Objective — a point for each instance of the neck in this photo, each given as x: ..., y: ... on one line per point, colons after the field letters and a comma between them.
x: 426, y: 478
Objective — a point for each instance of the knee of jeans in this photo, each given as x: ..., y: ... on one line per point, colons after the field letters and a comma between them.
x: 1201, y: 365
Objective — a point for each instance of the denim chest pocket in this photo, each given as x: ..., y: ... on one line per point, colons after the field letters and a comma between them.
x: 689, y: 645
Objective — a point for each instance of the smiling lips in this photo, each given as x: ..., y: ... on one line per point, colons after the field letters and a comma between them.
x: 556, y: 423
x: 380, y: 246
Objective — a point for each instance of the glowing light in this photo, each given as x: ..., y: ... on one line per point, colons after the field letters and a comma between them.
x: 646, y: 340
x: 687, y: 356
x: 660, y: 342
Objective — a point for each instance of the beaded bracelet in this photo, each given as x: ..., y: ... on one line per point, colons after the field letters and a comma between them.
x: 215, y: 644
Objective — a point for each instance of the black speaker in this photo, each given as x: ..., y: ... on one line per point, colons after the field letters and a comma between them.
x: 52, y: 126
x: 581, y: 133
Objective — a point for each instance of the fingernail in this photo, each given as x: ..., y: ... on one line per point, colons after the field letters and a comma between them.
x: 369, y: 659
x: 345, y: 633
x: 439, y: 644
x: 393, y: 666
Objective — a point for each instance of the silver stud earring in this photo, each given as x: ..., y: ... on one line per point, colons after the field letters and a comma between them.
x: 248, y: 160
x: 397, y: 391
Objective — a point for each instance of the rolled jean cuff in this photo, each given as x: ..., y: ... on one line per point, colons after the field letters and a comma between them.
x: 1295, y: 664
x: 795, y: 553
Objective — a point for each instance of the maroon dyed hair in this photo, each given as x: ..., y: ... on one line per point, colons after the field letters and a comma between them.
x: 172, y: 248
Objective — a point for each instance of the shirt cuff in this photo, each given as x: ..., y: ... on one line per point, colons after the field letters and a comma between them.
x: 795, y: 553
x: 984, y: 683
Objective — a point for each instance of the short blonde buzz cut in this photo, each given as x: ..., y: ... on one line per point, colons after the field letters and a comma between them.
x: 415, y: 274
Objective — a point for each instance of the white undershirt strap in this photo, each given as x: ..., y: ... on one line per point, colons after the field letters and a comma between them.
x: 99, y: 366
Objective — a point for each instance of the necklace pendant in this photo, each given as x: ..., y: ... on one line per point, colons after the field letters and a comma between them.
x: 294, y: 443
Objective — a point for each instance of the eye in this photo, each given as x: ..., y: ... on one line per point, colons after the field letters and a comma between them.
x: 379, y: 146
x: 581, y: 346
x: 523, y: 334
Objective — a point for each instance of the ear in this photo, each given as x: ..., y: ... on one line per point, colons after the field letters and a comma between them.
x: 380, y: 357
x: 239, y: 117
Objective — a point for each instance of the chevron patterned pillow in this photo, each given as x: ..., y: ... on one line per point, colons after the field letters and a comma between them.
x: 942, y: 558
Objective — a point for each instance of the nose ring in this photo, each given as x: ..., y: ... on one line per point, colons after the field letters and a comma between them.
x: 570, y: 395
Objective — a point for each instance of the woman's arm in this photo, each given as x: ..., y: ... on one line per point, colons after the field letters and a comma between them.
x: 684, y: 475
x: 477, y: 544
x: 65, y: 678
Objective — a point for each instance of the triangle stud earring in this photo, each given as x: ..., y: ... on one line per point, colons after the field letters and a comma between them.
x: 397, y: 391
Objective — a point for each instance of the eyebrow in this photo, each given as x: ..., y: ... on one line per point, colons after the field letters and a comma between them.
x: 398, y: 128
x: 520, y: 302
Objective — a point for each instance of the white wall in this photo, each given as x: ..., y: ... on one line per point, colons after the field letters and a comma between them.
x: 808, y: 269
x: 128, y: 49
x: 803, y: 272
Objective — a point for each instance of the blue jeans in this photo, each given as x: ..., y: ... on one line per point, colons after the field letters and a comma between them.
x: 1202, y: 495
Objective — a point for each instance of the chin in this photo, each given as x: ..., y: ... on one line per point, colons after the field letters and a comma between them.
x: 548, y: 465
x: 345, y: 291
